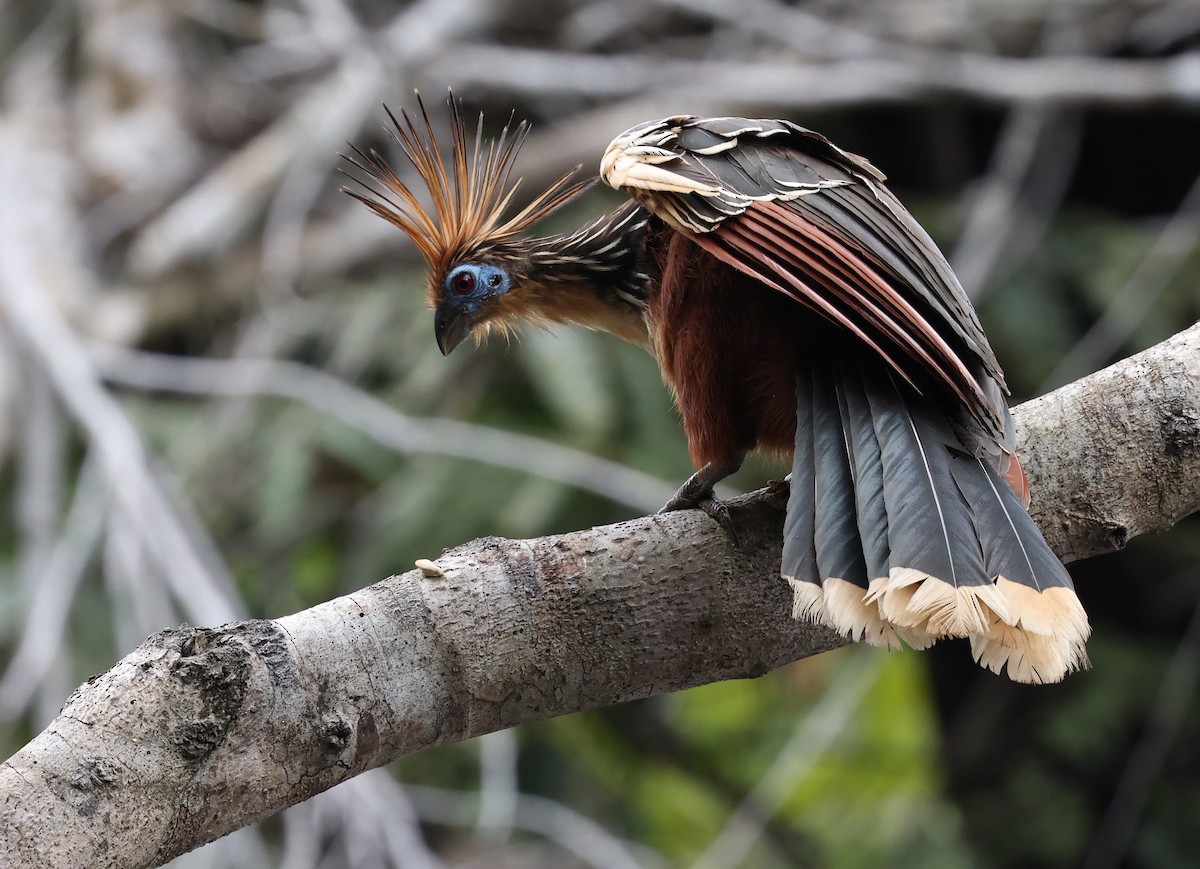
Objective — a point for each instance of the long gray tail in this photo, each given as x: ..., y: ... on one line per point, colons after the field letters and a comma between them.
x: 897, y: 532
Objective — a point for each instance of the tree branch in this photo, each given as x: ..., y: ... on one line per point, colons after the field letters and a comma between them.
x: 1116, y: 454
x: 201, y: 731
x: 920, y: 74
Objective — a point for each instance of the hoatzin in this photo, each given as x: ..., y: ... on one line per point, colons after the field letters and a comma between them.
x: 794, y: 306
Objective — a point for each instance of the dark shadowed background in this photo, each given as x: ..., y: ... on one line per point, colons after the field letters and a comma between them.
x: 169, y: 195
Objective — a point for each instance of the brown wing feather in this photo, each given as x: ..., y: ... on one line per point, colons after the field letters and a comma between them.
x: 863, y: 291
x: 752, y: 252
x: 804, y: 217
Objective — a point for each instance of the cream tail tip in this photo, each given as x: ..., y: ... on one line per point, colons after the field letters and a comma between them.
x: 808, y: 601
x: 1046, y: 640
x: 842, y: 606
x: 1035, y: 636
x: 914, y: 599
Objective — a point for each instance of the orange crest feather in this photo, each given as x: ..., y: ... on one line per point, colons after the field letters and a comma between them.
x: 469, y: 197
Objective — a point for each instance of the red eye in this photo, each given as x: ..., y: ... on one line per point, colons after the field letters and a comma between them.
x: 463, y: 282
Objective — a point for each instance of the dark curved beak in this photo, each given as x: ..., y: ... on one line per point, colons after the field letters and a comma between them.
x: 450, y: 325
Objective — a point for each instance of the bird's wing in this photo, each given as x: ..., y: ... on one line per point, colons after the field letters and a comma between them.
x: 788, y: 207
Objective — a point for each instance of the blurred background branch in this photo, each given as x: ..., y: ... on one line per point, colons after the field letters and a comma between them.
x: 221, y: 395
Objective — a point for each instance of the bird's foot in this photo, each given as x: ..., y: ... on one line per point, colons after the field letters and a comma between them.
x: 779, y: 491
x: 707, y: 502
x: 697, y: 493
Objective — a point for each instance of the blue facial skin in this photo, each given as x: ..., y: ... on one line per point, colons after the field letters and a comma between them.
x: 465, y: 290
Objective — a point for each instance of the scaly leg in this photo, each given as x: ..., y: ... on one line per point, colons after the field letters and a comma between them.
x: 697, y: 492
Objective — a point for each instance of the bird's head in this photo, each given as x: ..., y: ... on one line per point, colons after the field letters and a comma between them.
x: 469, y: 295
x: 479, y: 274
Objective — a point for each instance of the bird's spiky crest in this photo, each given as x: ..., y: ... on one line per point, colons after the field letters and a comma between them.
x: 469, y: 197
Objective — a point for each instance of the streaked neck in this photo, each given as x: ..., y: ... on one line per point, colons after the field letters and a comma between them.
x: 596, y: 277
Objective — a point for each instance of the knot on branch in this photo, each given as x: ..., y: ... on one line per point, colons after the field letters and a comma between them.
x: 216, y: 668
x: 93, y: 774
x: 1181, y: 430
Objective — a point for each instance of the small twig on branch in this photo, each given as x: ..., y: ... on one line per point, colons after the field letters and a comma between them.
x: 201, y: 731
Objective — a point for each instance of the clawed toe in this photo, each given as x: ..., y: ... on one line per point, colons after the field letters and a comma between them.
x: 697, y: 493
x: 717, y: 510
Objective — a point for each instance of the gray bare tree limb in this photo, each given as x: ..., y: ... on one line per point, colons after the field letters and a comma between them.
x: 201, y: 731
x: 1062, y: 80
